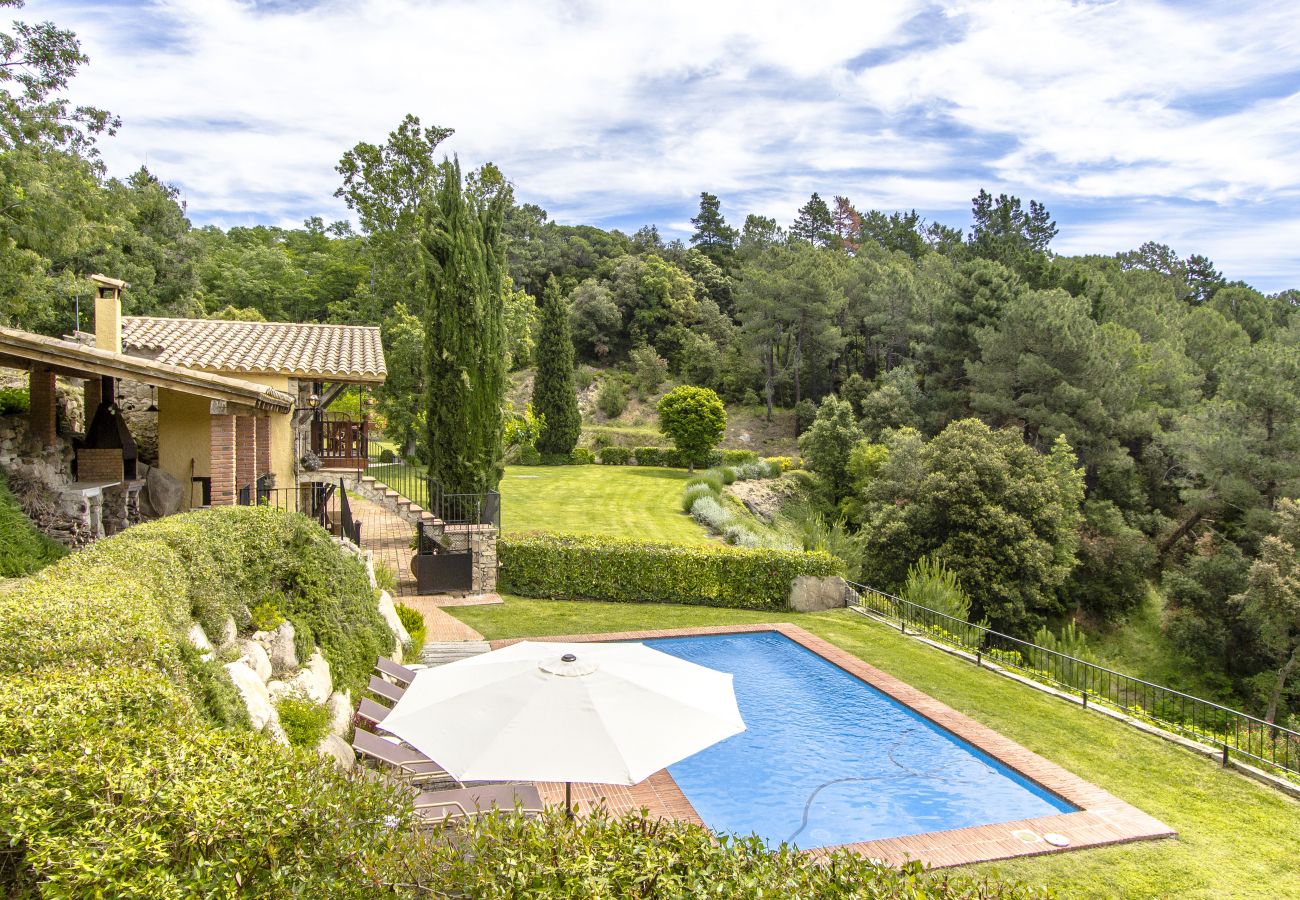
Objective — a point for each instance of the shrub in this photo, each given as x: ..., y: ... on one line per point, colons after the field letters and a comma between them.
x: 387, y: 455
x: 709, y: 512
x: 728, y: 474
x: 385, y: 578
x: 304, y: 722
x: 621, y: 570
x: 649, y: 369
x: 740, y: 536
x: 14, y: 401
x: 648, y: 456
x: 557, y: 459
x: 692, y: 493
x: 529, y: 456
x: 413, y: 621
x: 736, y: 457
x: 611, y: 399
x: 97, y: 643
x: 600, y: 855
x: 23, y: 549
x: 615, y: 456
x: 581, y: 456
x: 784, y: 463
x: 711, y: 477
x: 266, y: 616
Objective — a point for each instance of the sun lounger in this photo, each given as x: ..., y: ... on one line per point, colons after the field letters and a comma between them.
x: 407, y: 763
x: 443, y: 807
x: 372, y: 712
x: 384, y: 689
x: 386, y: 666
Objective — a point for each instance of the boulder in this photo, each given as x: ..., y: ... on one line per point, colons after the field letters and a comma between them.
x: 254, y: 693
x: 337, y: 749
x: 229, y: 633
x: 279, y: 647
x: 388, y: 610
x: 199, y: 638
x: 311, y: 682
x: 340, y: 709
x: 810, y: 593
x: 161, y: 496
x: 254, y: 654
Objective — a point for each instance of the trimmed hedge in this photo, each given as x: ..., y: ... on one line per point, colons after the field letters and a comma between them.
x: 615, y: 456
x: 576, y: 567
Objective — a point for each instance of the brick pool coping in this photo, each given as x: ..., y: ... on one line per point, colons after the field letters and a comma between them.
x: 1102, y: 818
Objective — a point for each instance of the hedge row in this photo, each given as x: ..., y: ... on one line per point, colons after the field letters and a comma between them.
x: 117, y: 777
x: 617, y: 569
x: 671, y: 458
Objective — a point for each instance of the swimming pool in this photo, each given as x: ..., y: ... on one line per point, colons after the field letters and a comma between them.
x: 827, y: 759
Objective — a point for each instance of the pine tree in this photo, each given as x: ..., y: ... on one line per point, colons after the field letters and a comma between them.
x: 555, y: 396
x: 464, y: 335
x: 814, y: 223
x: 713, y: 236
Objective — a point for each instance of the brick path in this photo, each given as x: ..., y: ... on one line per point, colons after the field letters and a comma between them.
x: 1102, y: 819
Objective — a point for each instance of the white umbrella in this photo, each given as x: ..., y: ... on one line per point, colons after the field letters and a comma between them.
x: 533, y: 711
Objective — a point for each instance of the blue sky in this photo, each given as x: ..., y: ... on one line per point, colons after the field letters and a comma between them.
x: 1133, y: 121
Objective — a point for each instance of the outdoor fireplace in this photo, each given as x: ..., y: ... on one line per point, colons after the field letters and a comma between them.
x: 109, y: 452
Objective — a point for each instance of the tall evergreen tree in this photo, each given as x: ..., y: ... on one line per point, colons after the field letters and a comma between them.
x: 555, y: 395
x: 464, y: 335
x: 713, y: 236
x: 814, y: 223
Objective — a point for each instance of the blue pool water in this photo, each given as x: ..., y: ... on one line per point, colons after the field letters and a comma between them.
x: 827, y: 759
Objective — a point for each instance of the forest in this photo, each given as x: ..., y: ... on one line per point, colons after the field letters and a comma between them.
x: 1067, y: 434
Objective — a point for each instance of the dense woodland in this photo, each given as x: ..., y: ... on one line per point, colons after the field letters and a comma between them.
x: 1065, y: 433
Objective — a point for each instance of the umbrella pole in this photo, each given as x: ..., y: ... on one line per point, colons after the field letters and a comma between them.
x: 568, y: 799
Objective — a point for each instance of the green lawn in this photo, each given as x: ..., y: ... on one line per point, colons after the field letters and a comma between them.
x: 623, y: 501
x: 1236, y: 838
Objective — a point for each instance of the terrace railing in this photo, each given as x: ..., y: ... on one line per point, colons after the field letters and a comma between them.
x: 324, y: 503
x: 1229, y: 730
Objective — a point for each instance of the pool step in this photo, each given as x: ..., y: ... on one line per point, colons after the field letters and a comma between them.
x: 439, y: 653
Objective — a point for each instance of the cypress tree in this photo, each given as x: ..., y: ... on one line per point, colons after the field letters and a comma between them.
x: 464, y: 335
x: 555, y: 394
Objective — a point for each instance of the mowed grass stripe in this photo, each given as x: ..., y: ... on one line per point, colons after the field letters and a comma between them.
x: 620, y: 501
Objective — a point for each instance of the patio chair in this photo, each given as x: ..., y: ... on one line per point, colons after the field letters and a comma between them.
x: 371, y: 712
x: 385, y: 690
x: 385, y: 666
x: 409, y: 764
x: 439, y: 808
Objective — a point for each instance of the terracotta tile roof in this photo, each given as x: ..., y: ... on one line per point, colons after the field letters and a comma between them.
x: 327, y: 352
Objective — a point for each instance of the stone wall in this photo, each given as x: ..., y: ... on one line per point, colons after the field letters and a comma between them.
x: 481, y: 541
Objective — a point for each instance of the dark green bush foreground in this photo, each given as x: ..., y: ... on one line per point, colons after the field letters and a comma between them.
x: 576, y: 567
x: 636, y: 857
x: 23, y: 549
x: 118, y: 778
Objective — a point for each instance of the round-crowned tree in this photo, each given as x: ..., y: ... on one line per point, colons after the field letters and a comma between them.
x: 694, y: 420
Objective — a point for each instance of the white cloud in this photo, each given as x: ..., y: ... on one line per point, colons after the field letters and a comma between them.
x: 600, y: 109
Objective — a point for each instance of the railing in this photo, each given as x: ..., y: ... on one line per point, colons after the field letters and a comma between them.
x: 325, y: 504
x: 339, y: 441
x: 413, y: 483
x: 1202, y: 720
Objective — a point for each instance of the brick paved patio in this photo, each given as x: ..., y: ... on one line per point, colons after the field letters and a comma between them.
x: 1103, y: 818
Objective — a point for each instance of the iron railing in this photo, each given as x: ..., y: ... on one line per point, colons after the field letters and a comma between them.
x: 1228, y: 729
x: 413, y: 482
x: 323, y: 503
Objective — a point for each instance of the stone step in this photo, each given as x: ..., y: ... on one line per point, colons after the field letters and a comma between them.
x: 439, y: 653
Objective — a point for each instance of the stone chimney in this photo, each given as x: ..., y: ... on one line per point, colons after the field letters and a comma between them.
x: 108, y: 312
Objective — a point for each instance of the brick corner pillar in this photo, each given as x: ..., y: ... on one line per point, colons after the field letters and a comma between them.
x: 263, y: 445
x: 223, y: 460
x: 44, y: 406
x: 245, y: 451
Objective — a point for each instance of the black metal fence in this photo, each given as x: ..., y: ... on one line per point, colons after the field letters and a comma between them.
x: 322, y: 502
x: 412, y: 481
x: 1230, y: 730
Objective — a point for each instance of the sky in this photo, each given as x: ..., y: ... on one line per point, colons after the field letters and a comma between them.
x: 1132, y: 120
